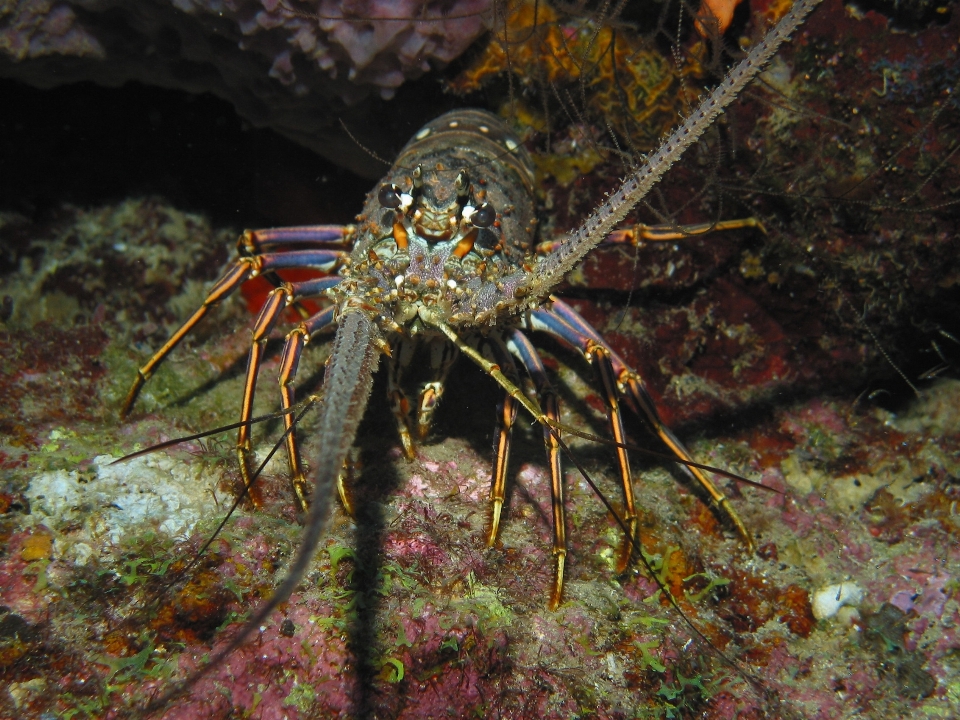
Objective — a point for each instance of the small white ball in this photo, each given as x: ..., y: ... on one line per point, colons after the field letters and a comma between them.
x: 828, y: 600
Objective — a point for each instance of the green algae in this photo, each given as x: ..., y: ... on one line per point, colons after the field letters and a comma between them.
x: 302, y: 697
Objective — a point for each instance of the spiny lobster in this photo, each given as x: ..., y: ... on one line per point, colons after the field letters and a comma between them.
x: 443, y: 253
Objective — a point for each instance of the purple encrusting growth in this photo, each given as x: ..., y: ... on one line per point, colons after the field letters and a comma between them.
x: 371, y: 43
x: 37, y: 28
x: 300, y: 68
x: 368, y: 42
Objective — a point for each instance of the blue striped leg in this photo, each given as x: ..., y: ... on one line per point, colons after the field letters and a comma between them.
x: 289, y: 362
x: 566, y: 325
x: 520, y: 347
x: 270, y: 314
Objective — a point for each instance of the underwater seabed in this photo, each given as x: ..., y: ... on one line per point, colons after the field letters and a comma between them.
x: 765, y: 353
x: 849, y: 608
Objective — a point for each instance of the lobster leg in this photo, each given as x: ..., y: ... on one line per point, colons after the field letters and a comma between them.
x: 565, y: 324
x: 230, y: 281
x: 286, y: 294
x: 256, y: 242
x: 271, y: 311
x: 600, y: 357
x: 597, y: 354
x: 442, y: 357
x: 242, y: 269
x: 666, y: 233
x: 325, y: 260
x: 661, y: 233
x: 289, y: 362
x: 531, y: 406
x: 399, y: 402
x: 521, y: 347
x: 503, y: 434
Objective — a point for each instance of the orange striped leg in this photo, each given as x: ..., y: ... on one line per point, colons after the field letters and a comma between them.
x: 506, y: 417
x: 270, y: 313
x: 503, y: 436
x: 565, y: 324
x: 399, y: 402
x: 521, y: 347
x: 551, y: 409
x: 662, y: 233
x: 634, y: 390
x: 670, y: 232
x: 530, y: 405
x: 442, y: 357
x: 231, y: 280
x: 600, y: 357
x: 289, y: 362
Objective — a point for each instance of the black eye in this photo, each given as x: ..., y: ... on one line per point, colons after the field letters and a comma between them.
x: 389, y: 196
x: 484, y: 216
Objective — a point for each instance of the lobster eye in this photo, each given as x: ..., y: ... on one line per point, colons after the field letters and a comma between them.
x: 389, y: 196
x: 484, y: 216
x: 462, y: 184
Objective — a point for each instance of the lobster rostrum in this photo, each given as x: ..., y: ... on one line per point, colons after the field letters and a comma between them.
x: 443, y: 256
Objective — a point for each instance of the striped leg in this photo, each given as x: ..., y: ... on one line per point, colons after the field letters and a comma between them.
x: 667, y: 233
x: 231, y: 280
x: 503, y: 436
x: 596, y: 355
x: 399, y: 402
x: 257, y: 242
x: 521, y: 348
x: 242, y: 269
x: 600, y: 357
x: 442, y: 357
x: 289, y: 362
x: 493, y: 370
x: 565, y: 324
x: 271, y: 312
x: 662, y: 233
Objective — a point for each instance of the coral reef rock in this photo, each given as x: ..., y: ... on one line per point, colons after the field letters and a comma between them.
x: 299, y: 71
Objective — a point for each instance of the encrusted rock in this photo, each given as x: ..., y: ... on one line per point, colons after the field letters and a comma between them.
x: 299, y: 71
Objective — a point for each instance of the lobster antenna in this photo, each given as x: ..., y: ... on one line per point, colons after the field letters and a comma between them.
x: 301, y: 409
x: 215, y: 431
x: 637, y: 550
x: 554, y: 267
x: 560, y: 427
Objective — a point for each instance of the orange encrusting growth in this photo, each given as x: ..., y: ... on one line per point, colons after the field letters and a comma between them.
x: 715, y: 16
x: 621, y: 73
